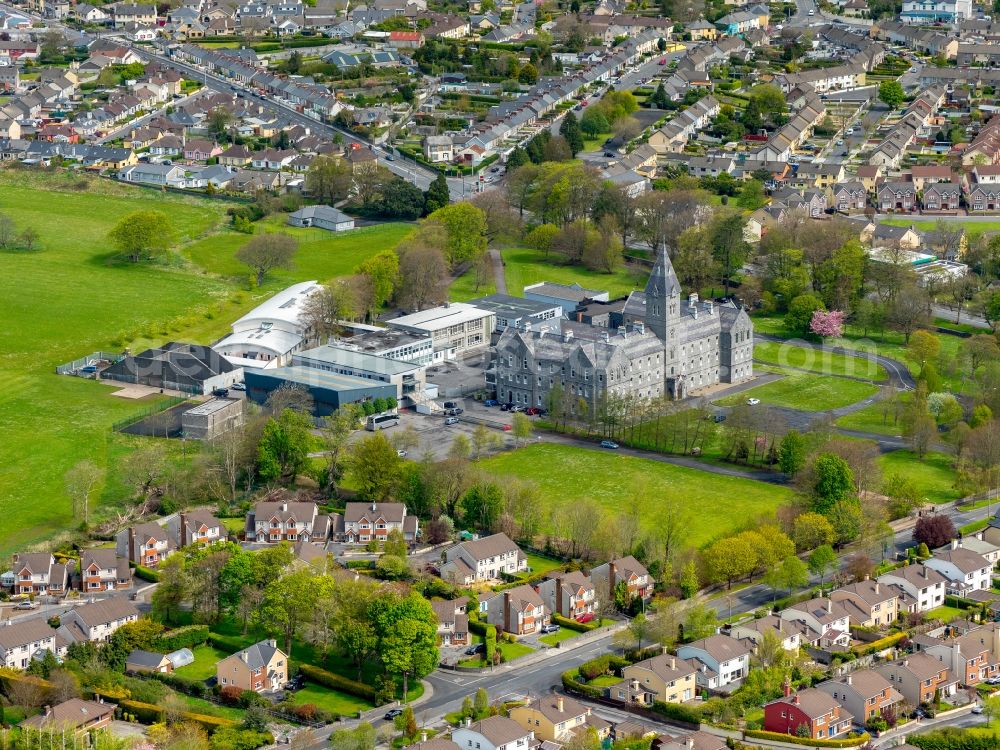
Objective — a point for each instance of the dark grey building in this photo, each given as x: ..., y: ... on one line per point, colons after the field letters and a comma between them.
x: 330, y: 390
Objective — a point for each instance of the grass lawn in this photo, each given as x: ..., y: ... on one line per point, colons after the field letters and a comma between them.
x: 825, y: 363
x: 605, y: 680
x: 972, y: 528
x: 563, y: 634
x: 935, y: 475
x: 566, y: 474
x: 464, y: 288
x: 72, y: 298
x: 234, y: 525
x: 871, y: 419
x: 799, y: 390
x: 203, y: 666
x: 330, y: 700
x: 523, y: 266
x: 510, y: 652
x: 202, y: 706
x: 944, y: 613
x: 543, y: 564
x: 971, y: 227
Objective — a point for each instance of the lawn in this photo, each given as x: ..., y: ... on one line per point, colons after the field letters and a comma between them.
x: 945, y: 613
x: 523, y: 267
x: 566, y: 474
x: 554, y: 639
x: 464, y: 288
x: 330, y: 700
x: 203, y: 665
x: 510, y: 652
x: 202, y: 706
x: 871, y: 419
x: 825, y: 363
x: 542, y: 564
x: 72, y: 298
x: 971, y: 227
x: 935, y: 475
x: 799, y: 390
x: 605, y: 680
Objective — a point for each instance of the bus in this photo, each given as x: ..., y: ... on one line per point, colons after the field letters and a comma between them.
x: 381, y: 421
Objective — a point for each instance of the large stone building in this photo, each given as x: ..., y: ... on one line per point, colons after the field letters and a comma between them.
x: 670, y: 347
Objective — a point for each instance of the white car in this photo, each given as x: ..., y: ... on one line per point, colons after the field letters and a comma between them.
x: 753, y: 401
x: 977, y: 709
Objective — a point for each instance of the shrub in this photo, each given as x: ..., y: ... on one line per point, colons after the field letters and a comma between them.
x: 188, y: 636
x: 678, y: 712
x: 232, y: 738
x: 573, y: 685
x: 880, y: 645
x: 579, y: 627
x: 146, y: 574
x: 952, y: 738
x: 337, y: 682
x: 146, y: 713
x: 231, y: 695
x: 208, y: 723
x: 479, y: 628
x: 228, y: 643
x: 601, y: 665
x: 779, y: 737
x: 183, y: 684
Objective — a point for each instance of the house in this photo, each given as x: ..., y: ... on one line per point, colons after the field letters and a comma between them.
x: 720, y: 660
x: 453, y: 621
x: 139, y: 661
x: 864, y: 693
x: 323, y: 217
x: 792, y: 635
x: 850, y: 197
x: 140, y: 15
x: 22, y: 640
x: 439, y: 148
x: 625, y: 570
x: 923, y: 587
x: 869, y: 604
x: 552, y: 718
x: 828, y: 620
x: 697, y: 740
x: 39, y: 573
x: 570, y: 594
x: 189, y: 368
x: 235, y: 156
x: 978, y: 544
x: 97, y: 620
x: 972, y: 657
x: 196, y: 527
x: 518, y: 611
x: 145, y: 544
x: 702, y: 29
x: 406, y: 39
x: 819, y: 175
x: 870, y: 175
x: 364, y: 522
x: 262, y: 667
x: 966, y: 571
x: 889, y: 235
x: 897, y: 196
x: 198, y: 149
x: 103, y: 570
x: 665, y: 678
x: 287, y: 521
x: 75, y: 715
x: 817, y: 712
x: 493, y: 733
x: 922, y: 175
x: 942, y: 196
x: 918, y: 677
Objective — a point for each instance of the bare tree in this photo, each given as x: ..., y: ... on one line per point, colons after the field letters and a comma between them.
x: 144, y: 468
x: 265, y: 252
x: 289, y: 396
x: 423, y: 271
x: 501, y: 220
x: 81, y: 481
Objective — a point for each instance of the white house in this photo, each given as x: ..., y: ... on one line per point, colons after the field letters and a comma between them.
x: 492, y: 733
x: 98, y: 620
x: 22, y: 640
x: 483, y: 560
x: 270, y: 333
x: 965, y: 570
x: 720, y: 660
x: 923, y: 587
x: 828, y: 620
x: 323, y: 217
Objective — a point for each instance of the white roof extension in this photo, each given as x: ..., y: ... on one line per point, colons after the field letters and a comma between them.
x: 272, y: 328
x: 436, y: 318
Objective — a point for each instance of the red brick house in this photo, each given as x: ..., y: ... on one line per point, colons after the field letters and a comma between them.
x: 822, y: 716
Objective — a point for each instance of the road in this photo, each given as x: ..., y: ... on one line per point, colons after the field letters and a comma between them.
x: 132, y: 125
x: 967, y: 318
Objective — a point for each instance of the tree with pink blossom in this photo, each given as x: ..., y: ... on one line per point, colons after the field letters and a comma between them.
x: 827, y: 324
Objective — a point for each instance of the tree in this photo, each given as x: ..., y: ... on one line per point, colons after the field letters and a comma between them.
x: 729, y: 559
x: 142, y: 235
x: 924, y: 347
x: 907, y: 311
x: 832, y: 481
x: 812, y: 530
x: 570, y: 130
x: 284, y: 446
x: 827, y: 324
x: 483, y: 505
x: 799, y: 317
x: 407, y: 628
x: 979, y: 349
x: 362, y: 737
x: 81, y: 481
x: 383, y: 270
x: 792, y: 452
x: 465, y: 229
x: 934, y: 530
x: 593, y: 122
x: 701, y: 621
x: 793, y: 573
x: 481, y: 702
x: 821, y: 561
x: 219, y: 120
x: 528, y: 75
x: 265, y: 252
x: 328, y: 179
x: 423, y: 272
x: 991, y: 707
x: 891, y: 93
x: 437, y: 194
x: 375, y: 466
x: 521, y: 428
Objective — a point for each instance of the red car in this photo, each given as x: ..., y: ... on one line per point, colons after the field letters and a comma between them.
x: 585, y: 617
x: 532, y: 411
x: 506, y: 428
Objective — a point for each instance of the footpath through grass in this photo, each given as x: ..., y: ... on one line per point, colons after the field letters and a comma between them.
x: 567, y: 474
x: 806, y: 392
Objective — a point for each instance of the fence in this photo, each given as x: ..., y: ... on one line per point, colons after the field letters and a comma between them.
x: 167, y: 403
x: 70, y: 368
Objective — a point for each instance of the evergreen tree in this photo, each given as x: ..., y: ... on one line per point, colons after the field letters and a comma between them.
x: 518, y: 158
x: 436, y: 196
x: 570, y: 130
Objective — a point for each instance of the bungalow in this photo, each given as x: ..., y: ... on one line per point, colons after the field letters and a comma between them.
x: 39, y: 573
x: 163, y: 175
x: 483, y: 559
x: 626, y: 571
x: 864, y: 693
x: 104, y: 570
x: 198, y: 149
x: 918, y: 677
x: 406, y: 39
x: 665, y: 678
x: 517, y: 611
x: 923, y: 587
x: 324, y: 217
x: 453, y: 621
x: 792, y: 635
x: 75, y: 715
x: 808, y: 713
x: 262, y: 667
x: 889, y: 235
x: 720, y: 660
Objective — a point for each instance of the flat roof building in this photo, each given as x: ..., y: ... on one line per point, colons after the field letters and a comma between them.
x: 455, y: 328
x: 568, y: 296
x: 213, y: 418
x: 511, y: 311
x: 393, y: 344
x: 407, y: 377
x: 329, y: 390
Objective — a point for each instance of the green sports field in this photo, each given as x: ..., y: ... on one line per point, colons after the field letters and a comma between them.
x: 807, y: 392
x: 567, y: 474
x: 818, y: 361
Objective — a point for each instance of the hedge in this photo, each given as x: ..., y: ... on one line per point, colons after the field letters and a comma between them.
x: 573, y: 685
x: 146, y: 574
x: 145, y: 713
x: 477, y: 627
x: 602, y: 665
x: 760, y: 734
x: 952, y: 738
x: 678, y: 712
x: 337, y: 682
x: 8, y: 677
x: 188, y: 685
x: 959, y: 603
x: 230, y: 643
x: 208, y: 723
x: 579, y: 627
x: 880, y: 645
x: 184, y: 637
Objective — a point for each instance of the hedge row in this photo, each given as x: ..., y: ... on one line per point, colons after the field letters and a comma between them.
x: 147, y: 713
x: 573, y: 685
x: 953, y: 738
x: 337, y: 682
x: 146, y: 574
x: 605, y: 664
x: 678, y: 712
x: 880, y: 645
x: 187, y: 685
x: 208, y: 723
x: 230, y: 643
x: 183, y: 637
x: 10, y: 677
x: 579, y: 627
x: 960, y: 603
x: 477, y: 627
x: 760, y: 734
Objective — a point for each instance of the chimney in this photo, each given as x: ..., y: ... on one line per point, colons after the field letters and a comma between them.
x: 374, y: 508
x: 244, y: 657
x: 506, y: 612
x: 567, y: 335
x: 640, y: 327
x: 559, y: 595
x: 560, y: 705
x: 607, y: 337
x: 829, y: 606
x: 786, y: 687
x: 273, y: 643
x: 795, y: 699
x: 284, y: 507
x: 693, y: 300
x: 183, y: 534
x: 689, y: 742
x: 621, y: 331
x: 673, y: 662
x: 468, y: 722
x: 906, y: 662
x: 876, y: 587
x: 709, y: 307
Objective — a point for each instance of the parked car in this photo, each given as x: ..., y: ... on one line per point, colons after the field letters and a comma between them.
x: 609, y: 444
x: 507, y: 428
x: 505, y: 407
x: 475, y: 648
x: 220, y: 392
x: 451, y: 420
x: 753, y: 401
x: 993, y: 681
x: 27, y: 604
x: 238, y: 387
x: 532, y: 411
x: 516, y: 408
x: 491, y: 402
x: 585, y: 617
x: 977, y: 709
x: 550, y: 628
x: 450, y: 404
x: 296, y: 683
x: 392, y: 713
x: 401, y: 453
